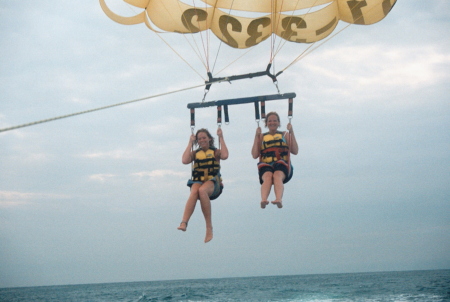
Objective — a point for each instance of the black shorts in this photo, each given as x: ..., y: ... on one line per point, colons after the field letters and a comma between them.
x: 279, y: 165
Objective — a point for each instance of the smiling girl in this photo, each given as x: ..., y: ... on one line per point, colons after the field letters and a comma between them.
x: 206, y: 182
x: 273, y: 149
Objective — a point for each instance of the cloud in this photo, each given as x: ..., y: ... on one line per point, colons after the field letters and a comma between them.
x: 101, y: 177
x: 140, y: 152
x: 13, y: 198
x: 159, y: 174
x: 142, y: 175
x: 387, y: 67
x: 113, y: 154
x: 162, y: 127
x: 375, y: 71
x: 412, y: 68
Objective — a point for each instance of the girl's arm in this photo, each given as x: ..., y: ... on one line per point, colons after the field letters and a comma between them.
x: 187, y: 157
x: 223, y: 146
x: 257, y: 143
x: 292, y: 142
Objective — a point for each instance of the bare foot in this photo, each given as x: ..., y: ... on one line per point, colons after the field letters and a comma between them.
x: 264, y: 203
x: 277, y: 203
x: 181, y: 227
x: 209, y: 235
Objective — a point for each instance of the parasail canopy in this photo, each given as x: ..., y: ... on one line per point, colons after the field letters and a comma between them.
x: 300, y: 21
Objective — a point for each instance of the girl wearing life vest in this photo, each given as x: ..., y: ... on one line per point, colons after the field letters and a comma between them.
x: 206, y: 182
x: 273, y: 149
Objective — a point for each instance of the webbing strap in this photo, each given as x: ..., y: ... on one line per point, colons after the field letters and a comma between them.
x: 257, y: 117
x: 192, y: 119
x: 219, y: 115
x: 290, y: 114
x: 289, y: 154
x: 227, y: 119
x: 263, y: 110
x: 291, y: 106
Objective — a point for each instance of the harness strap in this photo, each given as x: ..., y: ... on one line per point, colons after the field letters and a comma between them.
x: 263, y: 164
x: 290, y: 114
x: 227, y: 119
x: 263, y: 110
x: 192, y: 119
x: 275, y: 151
x: 205, y: 173
x: 257, y: 118
x: 219, y: 115
x: 289, y: 154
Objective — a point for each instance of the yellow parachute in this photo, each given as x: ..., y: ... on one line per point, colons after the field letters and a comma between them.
x: 245, y: 23
x: 283, y: 18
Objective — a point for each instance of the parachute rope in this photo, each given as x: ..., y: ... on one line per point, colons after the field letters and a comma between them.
x: 234, y: 61
x: 275, y: 28
x: 272, y: 39
x: 197, y: 52
x: 208, y: 41
x: 205, y: 46
x: 274, y: 52
x: 179, y: 55
x: 282, y: 43
x: 287, y: 19
x: 194, y: 47
x: 158, y: 34
x: 217, y: 56
x: 221, y: 42
x: 306, y: 52
x: 97, y: 109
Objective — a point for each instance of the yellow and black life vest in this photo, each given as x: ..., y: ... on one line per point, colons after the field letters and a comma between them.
x: 274, y: 147
x: 206, y: 167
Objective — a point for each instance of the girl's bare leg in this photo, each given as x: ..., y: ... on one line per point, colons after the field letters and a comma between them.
x: 204, y: 192
x: 190, y: 206
x: 265, y: 188
x: 278, y: 186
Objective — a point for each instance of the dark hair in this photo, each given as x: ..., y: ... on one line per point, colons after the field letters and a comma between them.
x: 204, y: 130
x: 272, y: 113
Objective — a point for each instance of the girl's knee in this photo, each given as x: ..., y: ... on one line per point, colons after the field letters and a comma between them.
x: 268, y: 176
x: 201, y: 191
x: 279, y: 176
x: 194, y: 191
x: 204, y: 191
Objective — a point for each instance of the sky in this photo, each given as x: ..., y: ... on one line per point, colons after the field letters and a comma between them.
x: 98, y: 197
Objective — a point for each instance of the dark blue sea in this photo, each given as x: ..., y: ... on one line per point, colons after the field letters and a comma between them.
x: 383, y: 286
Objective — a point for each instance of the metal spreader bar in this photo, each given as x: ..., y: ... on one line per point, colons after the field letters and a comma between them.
x: 245, y: 100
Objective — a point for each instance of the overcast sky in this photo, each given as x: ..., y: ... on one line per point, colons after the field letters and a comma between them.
x: 98, y: 197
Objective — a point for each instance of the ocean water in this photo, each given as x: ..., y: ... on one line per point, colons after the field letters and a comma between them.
x: 420, y: 286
